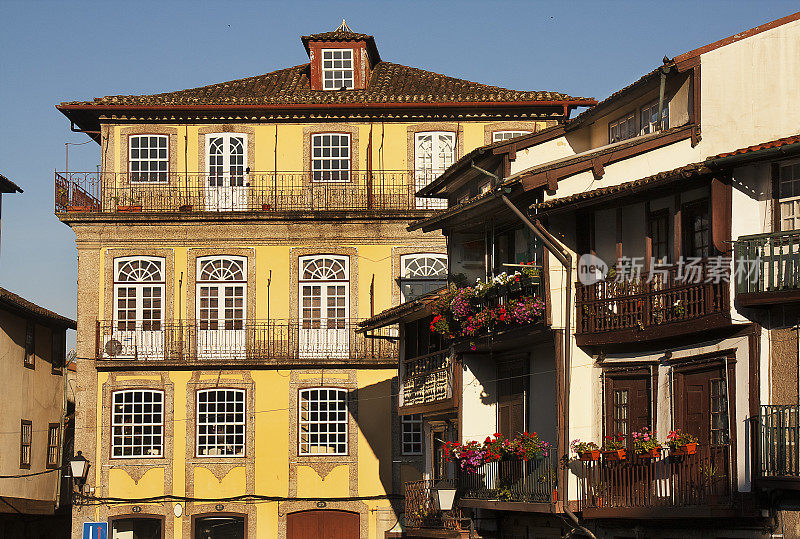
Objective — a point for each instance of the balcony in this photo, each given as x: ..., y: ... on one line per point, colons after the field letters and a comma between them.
x: 778, y: 263
x: 122, y: 344
x: 667, y: 305
x: 263, y: 192
x: 665, y: 487
x: 422, y: 517
x: 779, y: 446
x: 511, y: 485
x: 428, y: 384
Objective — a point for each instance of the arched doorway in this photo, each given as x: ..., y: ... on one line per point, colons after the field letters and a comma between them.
x: 322, y: 525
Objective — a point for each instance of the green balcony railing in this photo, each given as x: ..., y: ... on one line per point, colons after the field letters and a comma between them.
x: 779, y: 441
x: 776, y: 256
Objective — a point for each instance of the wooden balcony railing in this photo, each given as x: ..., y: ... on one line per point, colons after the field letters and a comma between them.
x: 779, y: 442
x: 511, y: 480
x: 273, y: 341
x: 273, y: 192
x: 421, y: 509
x: 427, y: 379
x: 699, y: 480
x: 774, y: 264
x: 664, y: 305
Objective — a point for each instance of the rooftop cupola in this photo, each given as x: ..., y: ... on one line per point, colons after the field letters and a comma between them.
x: 341, y: 59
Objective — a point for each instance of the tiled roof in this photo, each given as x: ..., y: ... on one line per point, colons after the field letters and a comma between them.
x: 794, y: 139
x: 393, y: 314
x: 684, y: 172
x: 344, y: 33
x: 21, y: 304
x: 389, y: 83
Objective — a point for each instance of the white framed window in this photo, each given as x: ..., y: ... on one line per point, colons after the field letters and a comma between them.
x: 137, y: 424
x: 498, y: 136
x: 323, y: 421
x: 138, y: 293
x: 324, y: 292
x: 622, y: 128
x: 412, y: 434
x: 221, y: 292
x: 148, y: 158
x: 220, y: 423
x: 330, y: 157
x: 422, y: 273
x: 226, y: 159
x: 337, y: 69
x: 648, y: 118
x: 789, y: 193
x: 434, y: 152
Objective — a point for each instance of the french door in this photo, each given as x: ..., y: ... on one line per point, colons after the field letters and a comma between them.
x: 226, y: 166
x: 434, y: 152
x: 137, y: 330
x: 221, y: 302
x: 324, y: 307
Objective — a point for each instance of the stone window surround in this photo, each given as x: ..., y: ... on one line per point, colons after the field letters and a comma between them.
x: 323, y: 464
x: 398, y: 253
x: 412, y: 130
x: 531, y: 125
x: 223, y: 129
x: 210, y: 511
x: 146, y: 129
x: 191, y: 282
x: 169, y: 277
x: 294, y: 275
x: 124, y: 512
x: 334, y: 128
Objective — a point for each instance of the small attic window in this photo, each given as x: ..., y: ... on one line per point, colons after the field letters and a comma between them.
x: 337, y: 69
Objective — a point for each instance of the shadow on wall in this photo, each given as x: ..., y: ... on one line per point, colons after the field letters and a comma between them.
x: 373, y: 414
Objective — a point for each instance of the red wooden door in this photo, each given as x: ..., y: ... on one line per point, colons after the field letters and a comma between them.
x: 322, y: 525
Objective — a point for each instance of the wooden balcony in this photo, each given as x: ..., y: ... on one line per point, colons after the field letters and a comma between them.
x: 777, y: 257
x: 665, y: 487
x: 652, y: 307
x: 182, y: 344
x: 511, y: 485
x: 274, y: 193
x: 779, y: 446
x: 429, y: 384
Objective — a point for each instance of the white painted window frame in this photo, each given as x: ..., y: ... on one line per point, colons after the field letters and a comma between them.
x: 347, y: 73
x: 305, y: 419
x: 236, y: 428
x: 119, y: 421
x: 134, y: 156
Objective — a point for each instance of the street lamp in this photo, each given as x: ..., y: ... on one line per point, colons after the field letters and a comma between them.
x: 79, y: 468
x: 445, y: 495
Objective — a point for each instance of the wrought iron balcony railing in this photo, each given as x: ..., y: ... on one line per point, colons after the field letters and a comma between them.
x: 421, y: 510
x: 665, y: 304
x: 701, y: 479
x: 776, y: 272
x: 511, y: 480
x: 272, y: 192
x: 243, y: 341
x: 427, y: 379
x: 779, y: 442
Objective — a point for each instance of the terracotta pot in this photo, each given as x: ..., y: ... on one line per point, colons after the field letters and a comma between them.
x: 688, y: 449
x: 79, y: 209
x: 266, y: 207
x: 129, y: 208
x: 590, y: 455
x: 615, y: 454
x: 651, y: 454
x: 555, y: 495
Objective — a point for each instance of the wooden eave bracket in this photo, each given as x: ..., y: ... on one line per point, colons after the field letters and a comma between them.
x: 597, y: 169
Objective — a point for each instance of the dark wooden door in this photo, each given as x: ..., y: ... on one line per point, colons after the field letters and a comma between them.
x: 702, y: 406
x: 511, y: 383
x: 627, y: 404
x: 322, y: 525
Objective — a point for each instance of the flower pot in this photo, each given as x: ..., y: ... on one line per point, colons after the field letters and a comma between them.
x: 185, y: 207
x: 266, y: 207
x: 590, y: 455
x: 650, y: 454
x: 79, y: 209
x: 129, y: 208
x: 555, y: 495
x: 688, y: 449
x: 615, y: 454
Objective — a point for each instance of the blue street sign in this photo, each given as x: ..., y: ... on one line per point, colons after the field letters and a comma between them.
x: 95, y: 530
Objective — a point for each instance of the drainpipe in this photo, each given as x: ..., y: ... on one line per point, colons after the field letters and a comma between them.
x: 664, y: 69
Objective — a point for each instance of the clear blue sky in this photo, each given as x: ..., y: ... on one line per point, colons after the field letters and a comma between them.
x: 70, y: 50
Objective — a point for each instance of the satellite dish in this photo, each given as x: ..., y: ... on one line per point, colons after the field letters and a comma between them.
x: 113, y: 348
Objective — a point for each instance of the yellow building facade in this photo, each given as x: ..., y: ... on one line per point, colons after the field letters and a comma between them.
x: 233, y: 239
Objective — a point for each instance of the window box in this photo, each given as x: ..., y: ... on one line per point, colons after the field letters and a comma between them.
x: 615, y: 454
x: 79, y: 209
x: 184, y: 207
x: 590, y: 455
x: 650, y: 454
x: 688, y: 449
x: 129, y: 209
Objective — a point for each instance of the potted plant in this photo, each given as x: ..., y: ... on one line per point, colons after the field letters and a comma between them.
x: 681, y: 443
x: 614, y: 447
x: 645, y: 443
x: 587, y: 451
